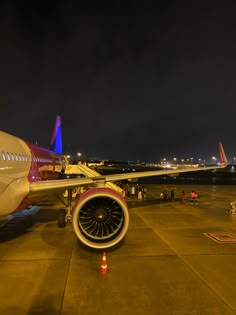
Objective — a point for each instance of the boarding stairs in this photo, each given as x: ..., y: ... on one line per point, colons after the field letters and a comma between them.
x: 88, y: 172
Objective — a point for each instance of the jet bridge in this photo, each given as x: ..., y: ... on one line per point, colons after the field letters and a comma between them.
x: 88, y: 172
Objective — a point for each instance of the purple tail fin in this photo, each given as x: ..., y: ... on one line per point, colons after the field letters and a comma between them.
x: 56, y: 142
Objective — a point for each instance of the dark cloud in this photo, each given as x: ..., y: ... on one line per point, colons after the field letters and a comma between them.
x: 131, y: 81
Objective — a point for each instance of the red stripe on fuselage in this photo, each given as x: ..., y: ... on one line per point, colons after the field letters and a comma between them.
x: 45, y: 164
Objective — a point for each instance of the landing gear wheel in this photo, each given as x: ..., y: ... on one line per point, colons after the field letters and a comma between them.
x: 61, y: 221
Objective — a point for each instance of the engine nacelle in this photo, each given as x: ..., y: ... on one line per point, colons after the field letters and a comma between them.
x: 100, y: 218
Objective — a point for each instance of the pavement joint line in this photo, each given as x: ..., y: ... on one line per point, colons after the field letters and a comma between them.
x: 206, y: 284
x: 67, y: 274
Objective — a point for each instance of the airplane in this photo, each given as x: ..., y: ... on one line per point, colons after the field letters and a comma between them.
x: 95, y: 164
x: 100, y: 216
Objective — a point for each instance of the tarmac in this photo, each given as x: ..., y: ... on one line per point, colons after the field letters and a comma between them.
x: 177, y: 258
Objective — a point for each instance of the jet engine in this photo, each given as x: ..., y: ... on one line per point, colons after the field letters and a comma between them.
x: 100, y: 218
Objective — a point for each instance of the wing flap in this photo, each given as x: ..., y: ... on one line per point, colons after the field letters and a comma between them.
x: 117, y: 177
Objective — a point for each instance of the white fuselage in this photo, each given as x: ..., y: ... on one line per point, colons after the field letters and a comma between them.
x: 15, y: 163
x: 20, y: 164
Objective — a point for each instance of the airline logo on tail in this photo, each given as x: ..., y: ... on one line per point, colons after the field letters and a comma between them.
x: 56, y: 142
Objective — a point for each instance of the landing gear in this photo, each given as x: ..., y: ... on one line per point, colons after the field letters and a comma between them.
x: 61, y: 221
x: 65, y: 216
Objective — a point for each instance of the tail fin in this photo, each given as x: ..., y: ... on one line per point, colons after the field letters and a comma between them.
x: 223, y: 158
x: 56, y: 142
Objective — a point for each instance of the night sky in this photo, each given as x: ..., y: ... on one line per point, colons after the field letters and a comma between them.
x: 130, y: 80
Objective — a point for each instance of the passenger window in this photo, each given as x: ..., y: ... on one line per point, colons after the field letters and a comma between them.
x: 3, y: 156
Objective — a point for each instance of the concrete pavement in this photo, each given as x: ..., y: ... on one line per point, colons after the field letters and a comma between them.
x: 167, y: 263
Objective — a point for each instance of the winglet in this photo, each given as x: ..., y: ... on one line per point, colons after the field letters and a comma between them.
x: 223, y: 158
x: 56, y: 142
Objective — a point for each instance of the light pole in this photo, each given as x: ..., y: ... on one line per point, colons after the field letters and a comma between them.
x: 191, y: 161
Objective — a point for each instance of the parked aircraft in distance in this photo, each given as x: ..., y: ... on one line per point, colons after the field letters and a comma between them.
x: 94, y: 164
x: 100, y: 216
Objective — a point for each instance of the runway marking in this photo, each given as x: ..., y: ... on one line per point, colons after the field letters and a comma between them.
x: 222, y: 237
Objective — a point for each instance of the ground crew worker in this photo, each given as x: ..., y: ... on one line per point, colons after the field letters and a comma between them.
x: 133, y: 191
x: 194, y: 197
x: 140, y: 195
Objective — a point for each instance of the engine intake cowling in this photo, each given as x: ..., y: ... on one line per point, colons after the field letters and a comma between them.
x: 100, y: 218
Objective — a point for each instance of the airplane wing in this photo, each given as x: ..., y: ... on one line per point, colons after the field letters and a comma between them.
x: 63, y: 184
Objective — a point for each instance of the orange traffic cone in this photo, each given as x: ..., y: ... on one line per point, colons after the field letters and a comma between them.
x: 104, y: 268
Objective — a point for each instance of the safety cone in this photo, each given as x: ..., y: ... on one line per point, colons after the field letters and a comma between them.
x: 104, y: 268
